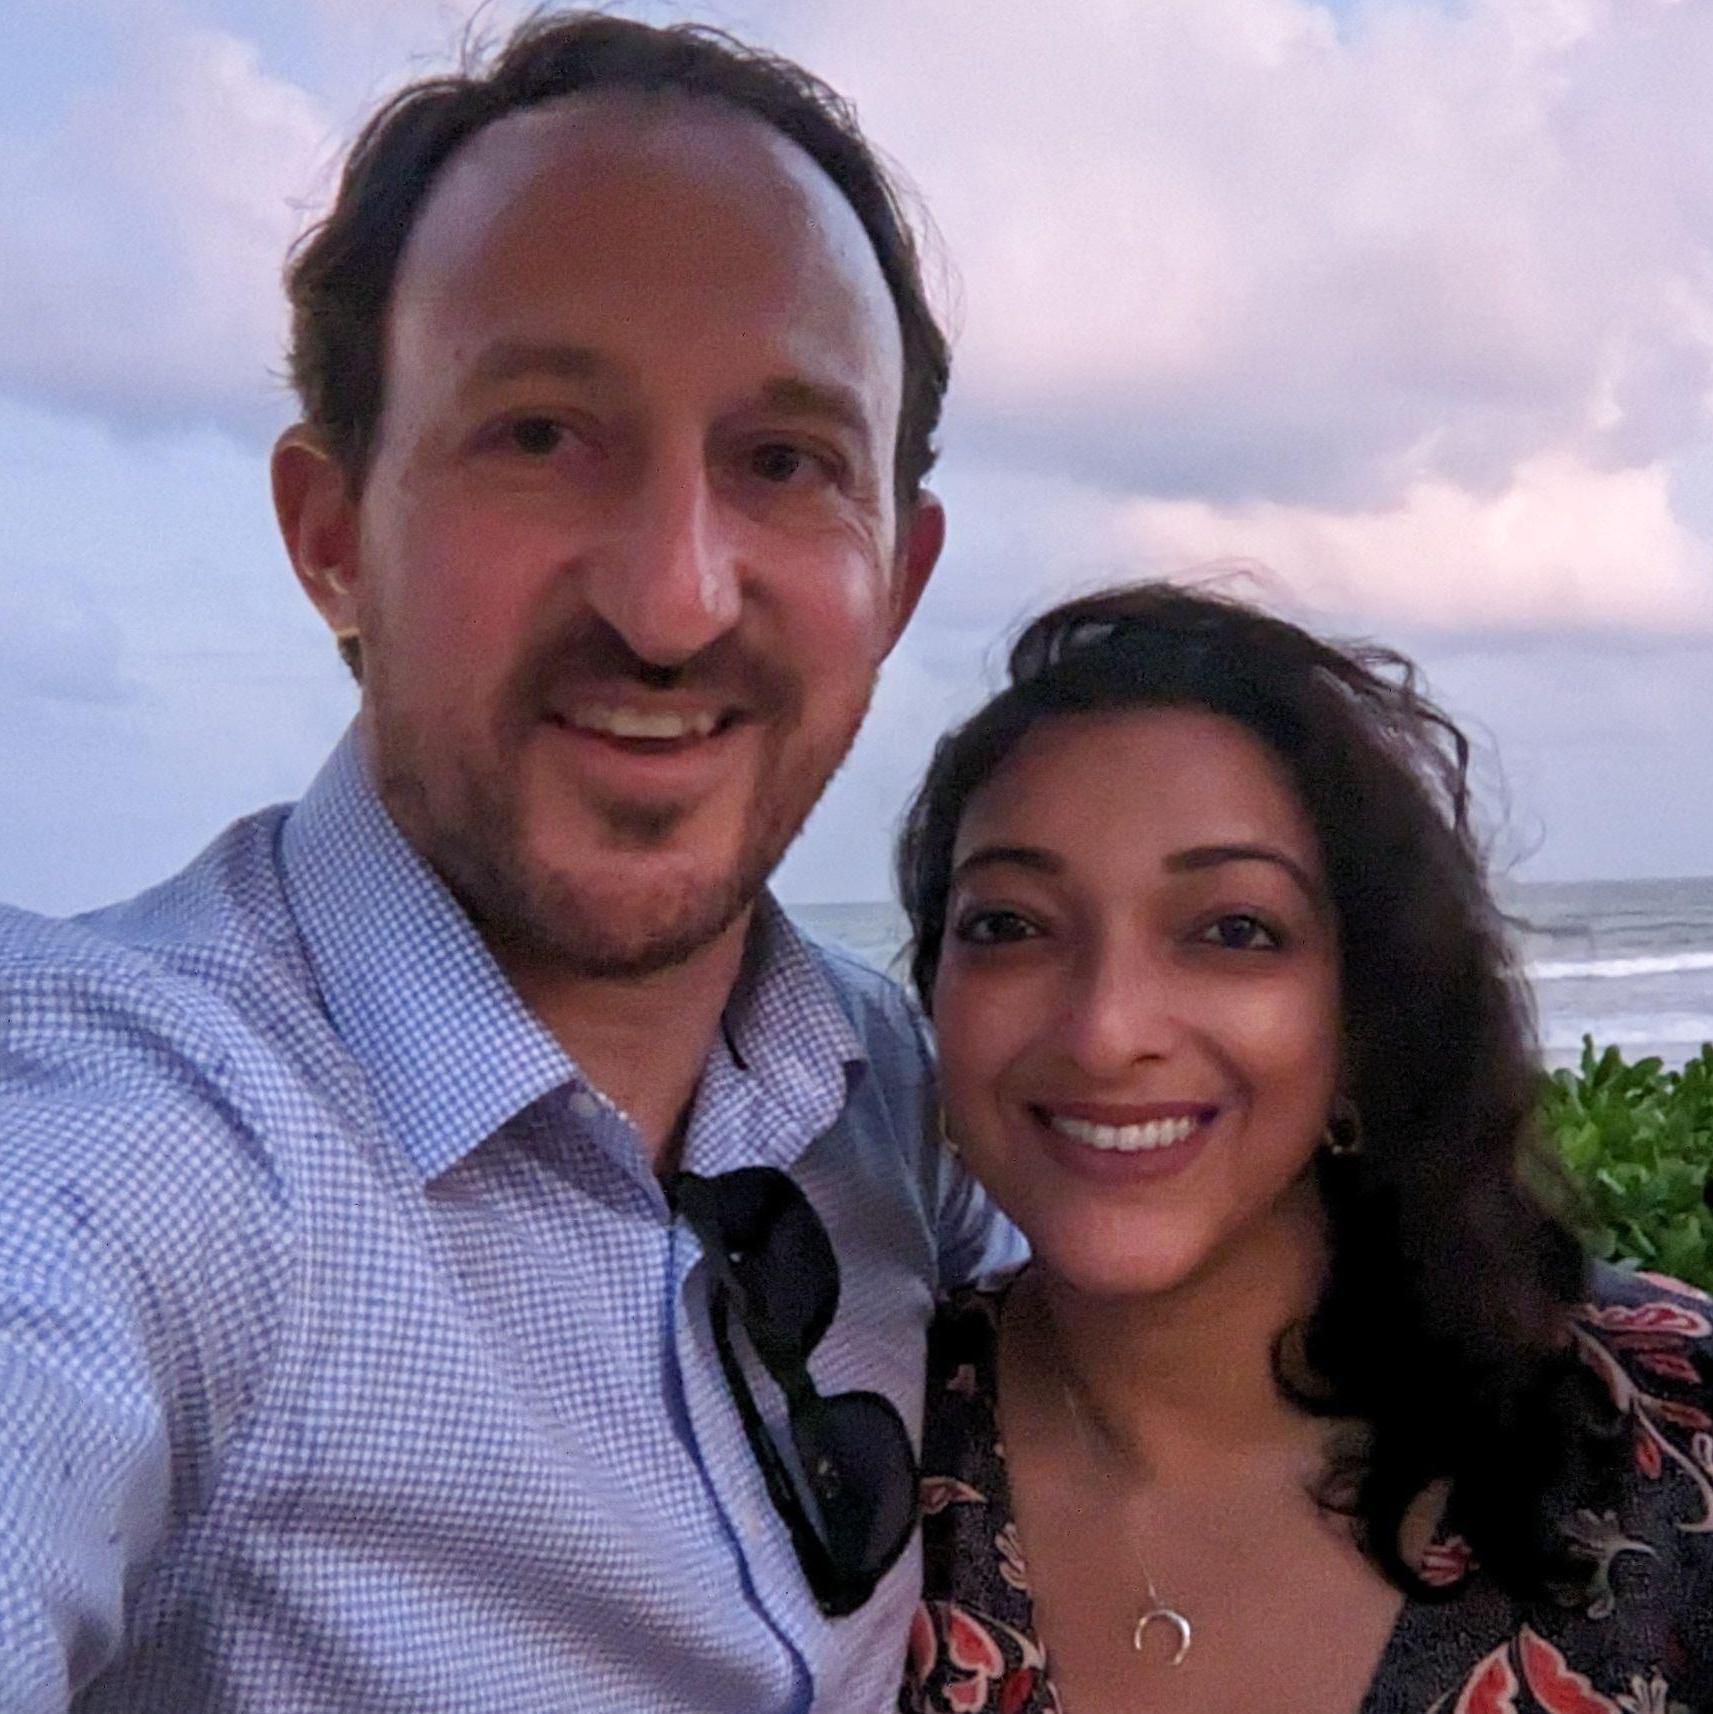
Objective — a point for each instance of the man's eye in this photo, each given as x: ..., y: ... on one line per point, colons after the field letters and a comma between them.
x: 1238, y: 931
x: 779, y: 463
x: 993, y: 927
x: 537, y: 436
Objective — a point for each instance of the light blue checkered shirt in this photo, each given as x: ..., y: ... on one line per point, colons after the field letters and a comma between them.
x: 349, y: 1357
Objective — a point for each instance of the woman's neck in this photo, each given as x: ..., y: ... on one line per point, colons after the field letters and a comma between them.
x: 1174, y: 1382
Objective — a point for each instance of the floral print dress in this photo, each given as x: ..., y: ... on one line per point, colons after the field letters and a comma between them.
x: 1639, y: 1642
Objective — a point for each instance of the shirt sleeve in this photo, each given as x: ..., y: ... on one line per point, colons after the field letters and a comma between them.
x: 84, y: 1469
x: 137, y: 1296
x: 975, y: 1239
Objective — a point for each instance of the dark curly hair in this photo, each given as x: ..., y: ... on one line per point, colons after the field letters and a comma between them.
x: 1442, y: 1326
x: 339, y: 277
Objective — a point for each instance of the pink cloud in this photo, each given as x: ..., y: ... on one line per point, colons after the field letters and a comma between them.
x: 147, y: 234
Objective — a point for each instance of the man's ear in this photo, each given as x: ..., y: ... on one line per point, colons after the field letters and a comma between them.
x: 919, y: 543
x: 318, y: 521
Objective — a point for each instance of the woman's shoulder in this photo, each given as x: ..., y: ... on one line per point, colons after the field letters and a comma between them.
x: 972, y: 1642
x: 960, y: 1431
x: 965, y: 1330
x: 1611, y: 1284
x: 1647, y: 1334
x: 1649, y: 1340
x: 1637, y: 1634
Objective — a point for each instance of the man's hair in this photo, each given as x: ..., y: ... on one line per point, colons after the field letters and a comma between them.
x: 339, y: 277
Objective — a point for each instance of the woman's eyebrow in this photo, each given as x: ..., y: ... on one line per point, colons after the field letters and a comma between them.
x: 1212, y: 856
x: 1019, y: 856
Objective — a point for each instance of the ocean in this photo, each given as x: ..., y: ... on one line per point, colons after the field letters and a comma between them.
x: 1627, y: 962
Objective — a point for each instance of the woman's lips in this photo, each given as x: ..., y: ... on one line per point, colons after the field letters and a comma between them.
x: 1127, y: 1129
x: 1125, y: 1141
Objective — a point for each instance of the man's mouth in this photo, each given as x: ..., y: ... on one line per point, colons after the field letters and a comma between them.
x: 616, y: 720
x: 643, y: 728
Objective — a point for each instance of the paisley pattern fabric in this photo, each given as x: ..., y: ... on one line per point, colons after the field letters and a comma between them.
x: 1639, y: 1639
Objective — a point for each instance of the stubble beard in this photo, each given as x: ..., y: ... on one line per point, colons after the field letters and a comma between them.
x: 548, y: 919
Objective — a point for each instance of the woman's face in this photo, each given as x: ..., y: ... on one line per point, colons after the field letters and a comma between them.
x: 1137, y: 1000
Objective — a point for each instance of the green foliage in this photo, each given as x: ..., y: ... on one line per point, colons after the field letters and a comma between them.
x: 1637, y: 1143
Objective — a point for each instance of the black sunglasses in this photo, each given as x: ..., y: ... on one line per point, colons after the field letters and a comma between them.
x: 853, y: 1508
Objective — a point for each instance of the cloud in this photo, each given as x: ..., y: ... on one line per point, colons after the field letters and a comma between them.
x: 1563, y: 543
x: 63, y: 648
x: 1414, y: 302
x: 145, y: 233
x: 1231, y: 249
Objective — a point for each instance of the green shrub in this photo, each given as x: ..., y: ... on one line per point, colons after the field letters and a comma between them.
x: 1637, y: 1142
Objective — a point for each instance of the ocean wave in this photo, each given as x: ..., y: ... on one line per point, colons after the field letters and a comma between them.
x: 1667, y: 1030
x: 1655, y: 964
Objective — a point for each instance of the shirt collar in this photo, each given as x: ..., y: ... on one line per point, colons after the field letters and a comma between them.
x: 785, y: 1021
x: 450, y: 1050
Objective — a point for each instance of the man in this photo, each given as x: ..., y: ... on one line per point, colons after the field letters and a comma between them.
x: 381, y: 1325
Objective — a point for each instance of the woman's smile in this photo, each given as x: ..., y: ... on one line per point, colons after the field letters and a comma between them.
x: 1113, y: 1143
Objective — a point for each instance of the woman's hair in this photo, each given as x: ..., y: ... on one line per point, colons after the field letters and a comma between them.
x: 1442, y: 1324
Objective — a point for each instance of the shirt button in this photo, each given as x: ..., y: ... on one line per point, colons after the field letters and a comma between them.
x: 584, y: 1105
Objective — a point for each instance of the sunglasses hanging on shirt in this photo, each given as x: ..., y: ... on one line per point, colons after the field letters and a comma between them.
x: 846, y: 1483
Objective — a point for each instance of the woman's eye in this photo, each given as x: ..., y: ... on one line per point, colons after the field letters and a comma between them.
x: 993, y: 928
x: 1238, y: 931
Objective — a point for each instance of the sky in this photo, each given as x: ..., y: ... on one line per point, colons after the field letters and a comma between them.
x: 1398, y: 313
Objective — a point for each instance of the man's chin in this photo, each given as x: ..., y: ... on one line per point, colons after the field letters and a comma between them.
x: 631, y: 919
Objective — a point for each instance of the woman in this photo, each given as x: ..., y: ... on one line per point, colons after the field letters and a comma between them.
x: 1307, y: 1400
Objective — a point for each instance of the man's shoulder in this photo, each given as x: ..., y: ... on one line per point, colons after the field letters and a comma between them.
x: 883, y: 1014
x: 151, y: 1025
x: 192, y: 942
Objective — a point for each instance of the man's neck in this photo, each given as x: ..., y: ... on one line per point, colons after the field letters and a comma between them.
x: 642, y: 1041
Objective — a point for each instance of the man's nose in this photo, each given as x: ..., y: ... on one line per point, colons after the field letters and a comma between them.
x: 1121, y: 1008
x: 668, y: 579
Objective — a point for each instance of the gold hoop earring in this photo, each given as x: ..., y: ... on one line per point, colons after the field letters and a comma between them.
x: 1343, y: 1136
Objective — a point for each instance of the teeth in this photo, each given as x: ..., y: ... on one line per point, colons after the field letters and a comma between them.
x: 642, y: 723
x: 1126, y: 1139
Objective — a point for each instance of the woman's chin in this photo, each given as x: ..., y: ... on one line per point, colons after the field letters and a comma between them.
x: 1108, y: 1273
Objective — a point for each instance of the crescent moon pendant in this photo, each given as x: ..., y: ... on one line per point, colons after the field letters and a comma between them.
x: 1166, y: 1616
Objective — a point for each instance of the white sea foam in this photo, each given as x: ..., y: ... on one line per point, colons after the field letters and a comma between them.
x: 1653, y: 964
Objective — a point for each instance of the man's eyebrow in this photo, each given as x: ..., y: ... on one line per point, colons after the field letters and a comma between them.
x: 1212, y: 856
x: 511, y: 359
x: 794, y: 396
x: 1018, y: 856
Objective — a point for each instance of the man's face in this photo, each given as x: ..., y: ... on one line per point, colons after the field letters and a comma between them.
x: 627, y: 559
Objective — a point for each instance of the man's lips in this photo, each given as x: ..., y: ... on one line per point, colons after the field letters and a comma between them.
x: 646, y: 726
x: 635, y: 752
x: 1128, y: 1128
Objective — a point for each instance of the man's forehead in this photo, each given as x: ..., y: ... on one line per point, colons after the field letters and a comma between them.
x: 552, y: 158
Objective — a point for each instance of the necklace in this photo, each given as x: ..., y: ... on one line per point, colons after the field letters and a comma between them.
x: 1157, y: 1610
